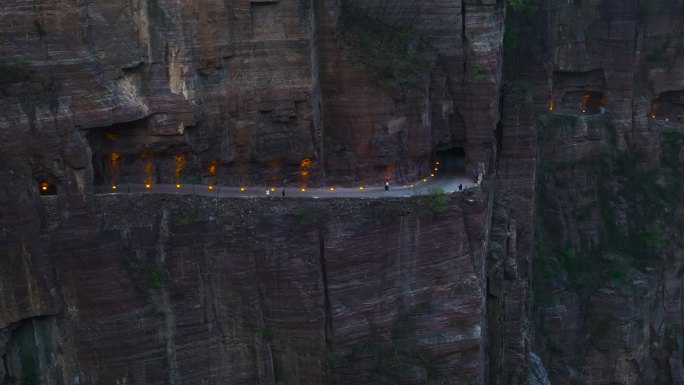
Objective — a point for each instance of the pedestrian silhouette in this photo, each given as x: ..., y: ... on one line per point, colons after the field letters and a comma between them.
x: 386, y: 186
x: 460, y: 186
x: 283, y: 192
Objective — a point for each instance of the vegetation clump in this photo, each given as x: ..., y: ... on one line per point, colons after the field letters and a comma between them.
x: 522, y: 5
x: 438, y: 200
x: 395, y: 52
x: 154, y: 280
x: 477, y: 72
x: 16, y: 72
x: 636, y: 221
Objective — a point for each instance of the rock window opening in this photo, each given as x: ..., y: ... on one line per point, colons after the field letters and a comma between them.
x: 46, y: 189
x: 578, y: 93
x: 592, y: 103
x: 451, y: 161
x: 669, y: 106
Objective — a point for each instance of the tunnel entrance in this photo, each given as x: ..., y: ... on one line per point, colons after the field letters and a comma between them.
x: 669, y: 106
x: 452, y: 160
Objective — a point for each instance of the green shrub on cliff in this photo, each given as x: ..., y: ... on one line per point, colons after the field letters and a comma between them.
x: 154, y: 280
x: 522, y: 5
x: 477, y: 72
x: 393, y: 51
x: 330, y: 358
x: 510, y: 40
x: 438, y: 200
x: 16, y: 72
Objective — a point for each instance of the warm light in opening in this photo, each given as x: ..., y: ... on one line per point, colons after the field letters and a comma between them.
x: 178, y: 185
x: 212, y: 167
x: 583, y: 110
x: 44, y: 186
x: 147, y: 185
x: 113, y: 187
x: 360, y: 187
x: 436, y: 169
x: 332, y: 189
x: 437, y: 163
x: 424, y: 179
x: 242, y: 189
x: 303, y: 189
x: 432, y: 174
x: 211, y: 187
x: 272, y: 189
x: 653, y: 116
x: 412, y: 185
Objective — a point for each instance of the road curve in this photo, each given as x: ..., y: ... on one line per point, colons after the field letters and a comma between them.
x: 449, y: 183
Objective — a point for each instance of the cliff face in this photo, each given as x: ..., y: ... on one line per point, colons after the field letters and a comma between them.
x: 250, y: 91
x: 607, y: 270
x: 239, y: 92
x: 187, y: 290
x: 578, y: 129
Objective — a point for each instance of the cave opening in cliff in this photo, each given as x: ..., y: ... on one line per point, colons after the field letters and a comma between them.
x: 46, y: 188
x: 584, y: 102
x: 668, y: 106
x: 451, y: 160
x: 592, y: 102
x: 578, y: 92
x: 140, y: 152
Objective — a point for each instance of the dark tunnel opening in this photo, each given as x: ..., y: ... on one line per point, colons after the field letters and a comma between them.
x: 452, y: 160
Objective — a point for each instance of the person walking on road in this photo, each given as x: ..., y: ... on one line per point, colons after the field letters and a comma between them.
x: 283, y: 192
x: 460, y: 187
x: 386, y: 185
x: 268, y: 192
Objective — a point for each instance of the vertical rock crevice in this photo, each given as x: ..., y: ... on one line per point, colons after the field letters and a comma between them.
x: 165, y: 305
x: 326, y: 294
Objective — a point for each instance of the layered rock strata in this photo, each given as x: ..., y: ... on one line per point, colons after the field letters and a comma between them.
x: 195, y: 290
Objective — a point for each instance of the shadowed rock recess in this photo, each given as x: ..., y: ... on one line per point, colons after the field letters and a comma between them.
x: 565, y: 266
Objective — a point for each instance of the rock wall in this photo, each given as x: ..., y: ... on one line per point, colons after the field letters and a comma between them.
x: 606, y: 298
x: 250, y: 91
x: 197, y: 290
x: 239, y: 92
x: 578, y: 130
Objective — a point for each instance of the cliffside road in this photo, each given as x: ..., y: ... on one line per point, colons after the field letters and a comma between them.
x: 449, y: 183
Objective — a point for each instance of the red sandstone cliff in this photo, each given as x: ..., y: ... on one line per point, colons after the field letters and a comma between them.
x: 583, y: 262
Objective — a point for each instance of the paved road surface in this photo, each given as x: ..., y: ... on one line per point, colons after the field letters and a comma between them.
x: 447, y: 182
